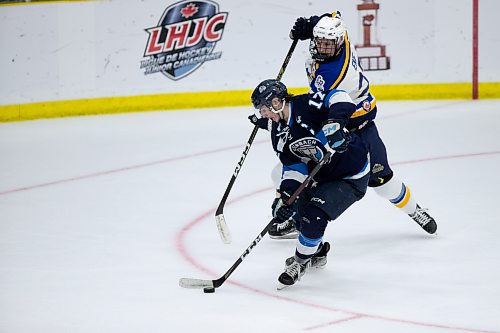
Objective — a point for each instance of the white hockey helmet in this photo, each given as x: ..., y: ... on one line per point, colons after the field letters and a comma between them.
x: 328, y: 38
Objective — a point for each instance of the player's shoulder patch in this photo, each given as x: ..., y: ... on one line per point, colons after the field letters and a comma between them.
x: 367, y: 105
x: 319, y: 83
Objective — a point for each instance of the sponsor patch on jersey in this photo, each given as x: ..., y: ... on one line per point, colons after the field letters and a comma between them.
x: 184, y: 38
x: 307, y: 149
x: 367, y: 105
x: 377, y: 168
x: 319, y: 83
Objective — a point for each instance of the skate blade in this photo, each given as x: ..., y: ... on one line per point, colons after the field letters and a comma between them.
x: 321, y: 265
x: 282, y: 286
x: 290, y: 236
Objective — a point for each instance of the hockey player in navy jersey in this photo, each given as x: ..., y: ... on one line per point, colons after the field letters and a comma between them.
x: 333, y: 64
x: 304, y: 129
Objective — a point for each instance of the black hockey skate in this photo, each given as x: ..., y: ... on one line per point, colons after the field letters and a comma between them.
x: 292, y: 273
x: 318, y: 260
x: 424, y: 220
x: 283, y: 230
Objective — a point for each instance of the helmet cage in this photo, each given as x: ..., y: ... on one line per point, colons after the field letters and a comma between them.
x: 323, y: 49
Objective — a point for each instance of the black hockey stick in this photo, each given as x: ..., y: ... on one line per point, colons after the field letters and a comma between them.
x: 210, y: 285
x: 219, y: 213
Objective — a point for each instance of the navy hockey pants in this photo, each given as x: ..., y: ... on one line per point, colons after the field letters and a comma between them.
x: 327, y: 201
x: 380, y: 171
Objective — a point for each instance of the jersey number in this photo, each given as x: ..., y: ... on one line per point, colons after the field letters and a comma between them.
x: 317, y: 99
x: 361, y: 79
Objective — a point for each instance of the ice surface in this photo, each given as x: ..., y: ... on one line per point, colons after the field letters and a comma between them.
x: 101, y: 216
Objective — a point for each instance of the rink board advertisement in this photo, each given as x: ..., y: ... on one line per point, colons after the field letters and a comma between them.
x: 84, y: 50
x: 184, y: 39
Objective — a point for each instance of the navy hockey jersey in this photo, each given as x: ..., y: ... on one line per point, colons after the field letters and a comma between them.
x: 300, y: 142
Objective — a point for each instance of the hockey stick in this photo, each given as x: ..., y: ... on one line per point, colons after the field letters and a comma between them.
x: 210, y: 285
x: 219, y: 213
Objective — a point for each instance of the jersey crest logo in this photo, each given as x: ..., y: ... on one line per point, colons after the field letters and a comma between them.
x: 307, y: 149
x: 184, y: 38
x: 319, y: 83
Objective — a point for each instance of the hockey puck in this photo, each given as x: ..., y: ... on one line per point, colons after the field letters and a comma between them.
x: 208, y: 290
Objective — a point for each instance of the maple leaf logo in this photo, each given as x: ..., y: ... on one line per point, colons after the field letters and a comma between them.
x: 189, y: 10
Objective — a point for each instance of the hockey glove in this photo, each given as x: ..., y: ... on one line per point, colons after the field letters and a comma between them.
x: 303, y: 28
x: 281, y: 211
x: 337, y: 135
x: 263, y: 123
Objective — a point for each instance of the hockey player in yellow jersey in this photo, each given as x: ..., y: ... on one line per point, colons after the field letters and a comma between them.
x: 333, y: 64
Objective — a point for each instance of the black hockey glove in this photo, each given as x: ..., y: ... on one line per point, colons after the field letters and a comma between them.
x: 281, y: 211
x: 263, y: 123
x: 303, y: 28
x: 337, y: 135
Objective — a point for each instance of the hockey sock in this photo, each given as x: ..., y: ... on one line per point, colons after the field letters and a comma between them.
x: 311, y: 234
x: 398, y: 194
x: 306, y: 248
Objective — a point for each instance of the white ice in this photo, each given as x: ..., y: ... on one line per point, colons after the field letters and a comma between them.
x: 101, y: 216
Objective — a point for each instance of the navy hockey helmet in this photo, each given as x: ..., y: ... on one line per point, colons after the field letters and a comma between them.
x: 266, y: 91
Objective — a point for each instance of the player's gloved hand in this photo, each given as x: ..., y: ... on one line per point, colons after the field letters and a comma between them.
x: 337, y: 135
x: 263, y: 123
x: 303, y: 28
x: 281, y: 211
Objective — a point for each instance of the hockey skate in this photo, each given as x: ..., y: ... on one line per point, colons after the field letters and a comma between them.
x: 292, y: 273
x: 283, y: 230
x: 318, y: 260
x: 424, y: 220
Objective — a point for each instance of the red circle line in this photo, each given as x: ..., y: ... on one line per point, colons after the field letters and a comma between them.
x: 350, y: 315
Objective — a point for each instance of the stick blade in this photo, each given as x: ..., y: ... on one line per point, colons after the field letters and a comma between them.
x: 224, y: 233
x: 195, y: 283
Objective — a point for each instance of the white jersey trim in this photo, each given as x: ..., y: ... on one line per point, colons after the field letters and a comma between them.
x: 293, y: 175
x: 364, y: 171
x: 339, y: 96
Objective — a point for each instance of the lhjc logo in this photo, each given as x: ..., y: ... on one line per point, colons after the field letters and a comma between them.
x: 184, y: 38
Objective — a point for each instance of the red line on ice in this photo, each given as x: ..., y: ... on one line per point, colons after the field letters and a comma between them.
x: 181, y: 247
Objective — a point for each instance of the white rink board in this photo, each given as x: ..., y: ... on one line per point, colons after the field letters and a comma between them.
x: 94, y: 49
